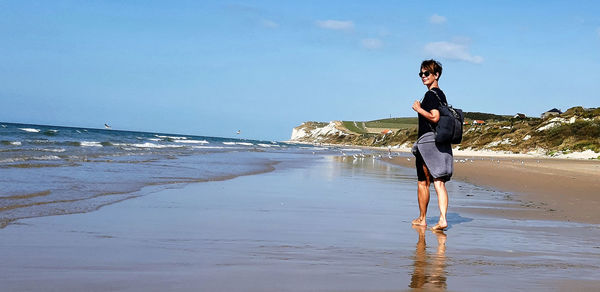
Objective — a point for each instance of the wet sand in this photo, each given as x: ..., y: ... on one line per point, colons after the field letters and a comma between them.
x: 561, y: 189
x: 334, y: 225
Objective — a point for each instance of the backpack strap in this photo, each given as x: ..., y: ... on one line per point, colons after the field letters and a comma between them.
x: 429, y: 123
x: 438, y: 97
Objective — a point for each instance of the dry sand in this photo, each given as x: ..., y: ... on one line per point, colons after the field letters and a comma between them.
x: 563, y: 189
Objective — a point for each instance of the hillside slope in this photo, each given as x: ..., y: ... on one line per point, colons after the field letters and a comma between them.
x: 576, y: 130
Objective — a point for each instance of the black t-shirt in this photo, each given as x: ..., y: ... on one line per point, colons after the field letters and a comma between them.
x: 430, y: 101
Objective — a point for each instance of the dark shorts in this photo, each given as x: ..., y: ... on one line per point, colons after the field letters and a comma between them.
x: 421, y: 174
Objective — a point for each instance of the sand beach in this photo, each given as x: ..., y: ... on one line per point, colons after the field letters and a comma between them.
x: 553, y: 189
x: 325, y: 223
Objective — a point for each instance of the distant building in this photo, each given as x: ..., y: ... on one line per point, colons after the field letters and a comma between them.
x: 466, y: 123
x: 552, y: 112
x: 478, y: 122
x: 387, y: 131
x: 519, y: 116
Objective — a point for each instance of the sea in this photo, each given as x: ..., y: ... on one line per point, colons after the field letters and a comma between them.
x: 53, y: 170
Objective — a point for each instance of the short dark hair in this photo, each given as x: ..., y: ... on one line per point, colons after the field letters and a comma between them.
x: 432, y: 66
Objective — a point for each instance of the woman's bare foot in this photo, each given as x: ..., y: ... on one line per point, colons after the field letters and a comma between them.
x: 439, y: 226
x: 420, y: 222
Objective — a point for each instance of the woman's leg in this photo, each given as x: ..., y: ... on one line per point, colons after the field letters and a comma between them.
x: 442, y: 193
x: 422, y: 194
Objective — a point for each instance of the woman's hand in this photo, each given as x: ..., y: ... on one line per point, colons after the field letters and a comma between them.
x: 416, y: 106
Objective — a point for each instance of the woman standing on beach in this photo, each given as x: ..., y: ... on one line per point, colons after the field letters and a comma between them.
x: 434, y: 161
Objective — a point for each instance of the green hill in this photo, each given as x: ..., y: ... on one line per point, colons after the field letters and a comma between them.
x: 376, y: 126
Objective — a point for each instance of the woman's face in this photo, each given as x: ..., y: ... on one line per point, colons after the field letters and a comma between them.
x: 427, y: 77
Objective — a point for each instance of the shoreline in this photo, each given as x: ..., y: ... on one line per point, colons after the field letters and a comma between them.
x: 562, y: 189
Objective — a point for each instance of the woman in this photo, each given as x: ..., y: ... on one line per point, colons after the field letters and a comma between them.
x: 434, y: 161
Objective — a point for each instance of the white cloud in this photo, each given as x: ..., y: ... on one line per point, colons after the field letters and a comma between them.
x: 437, y: 19
x: 269, y: 23
x: 371, y: 44
x: 452, y: 51
x: 335, y: 24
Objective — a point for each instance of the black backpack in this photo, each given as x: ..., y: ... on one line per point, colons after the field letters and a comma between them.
x: 449, y: 128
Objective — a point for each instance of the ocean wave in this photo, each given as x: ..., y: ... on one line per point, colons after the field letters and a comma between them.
x: 30, y: 130
x: 90, y: 144
x: 45, y: 157
x: 50, y: 132
x: 18, y: 159
x: 209, y: 147
x: 267, y: 145
x: 238, y: 143
x: 171, y: 137
x: 12, y: 143
x: 193, y: 141
x: 57, y: 150
x: 155, y: 139
x: 152, y: 145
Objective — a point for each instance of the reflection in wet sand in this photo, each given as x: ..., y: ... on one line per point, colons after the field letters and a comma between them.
x: 429, y: 269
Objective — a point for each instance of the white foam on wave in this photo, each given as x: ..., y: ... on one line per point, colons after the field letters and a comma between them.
x: 351, y: 149
x: 90, y: 144
x: 208, y: 147
x: 193, y: 141
x: 58, y: 150
x: 15, y: 143
x: 171, y: 137
x: 30, y: 130
x: 154, y: 139
x: 45, y: 157
x: 152, y: 145
x: 238, y: 143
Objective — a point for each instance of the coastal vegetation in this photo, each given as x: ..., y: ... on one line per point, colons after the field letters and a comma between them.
x: 575, y: 130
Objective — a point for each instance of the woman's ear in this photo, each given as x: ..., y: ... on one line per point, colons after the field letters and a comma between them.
x: 437, y: 76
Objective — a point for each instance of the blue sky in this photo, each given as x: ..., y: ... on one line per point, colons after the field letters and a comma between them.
x: 263, y: 67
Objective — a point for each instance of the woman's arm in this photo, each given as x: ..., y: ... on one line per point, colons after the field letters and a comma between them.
x: 433, y: 116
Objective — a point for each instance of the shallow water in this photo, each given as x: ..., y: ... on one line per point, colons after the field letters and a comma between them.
x: 51, y: 170
x: 331, y: 224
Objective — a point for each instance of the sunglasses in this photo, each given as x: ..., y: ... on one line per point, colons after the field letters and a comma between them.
x: 426, y: 74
